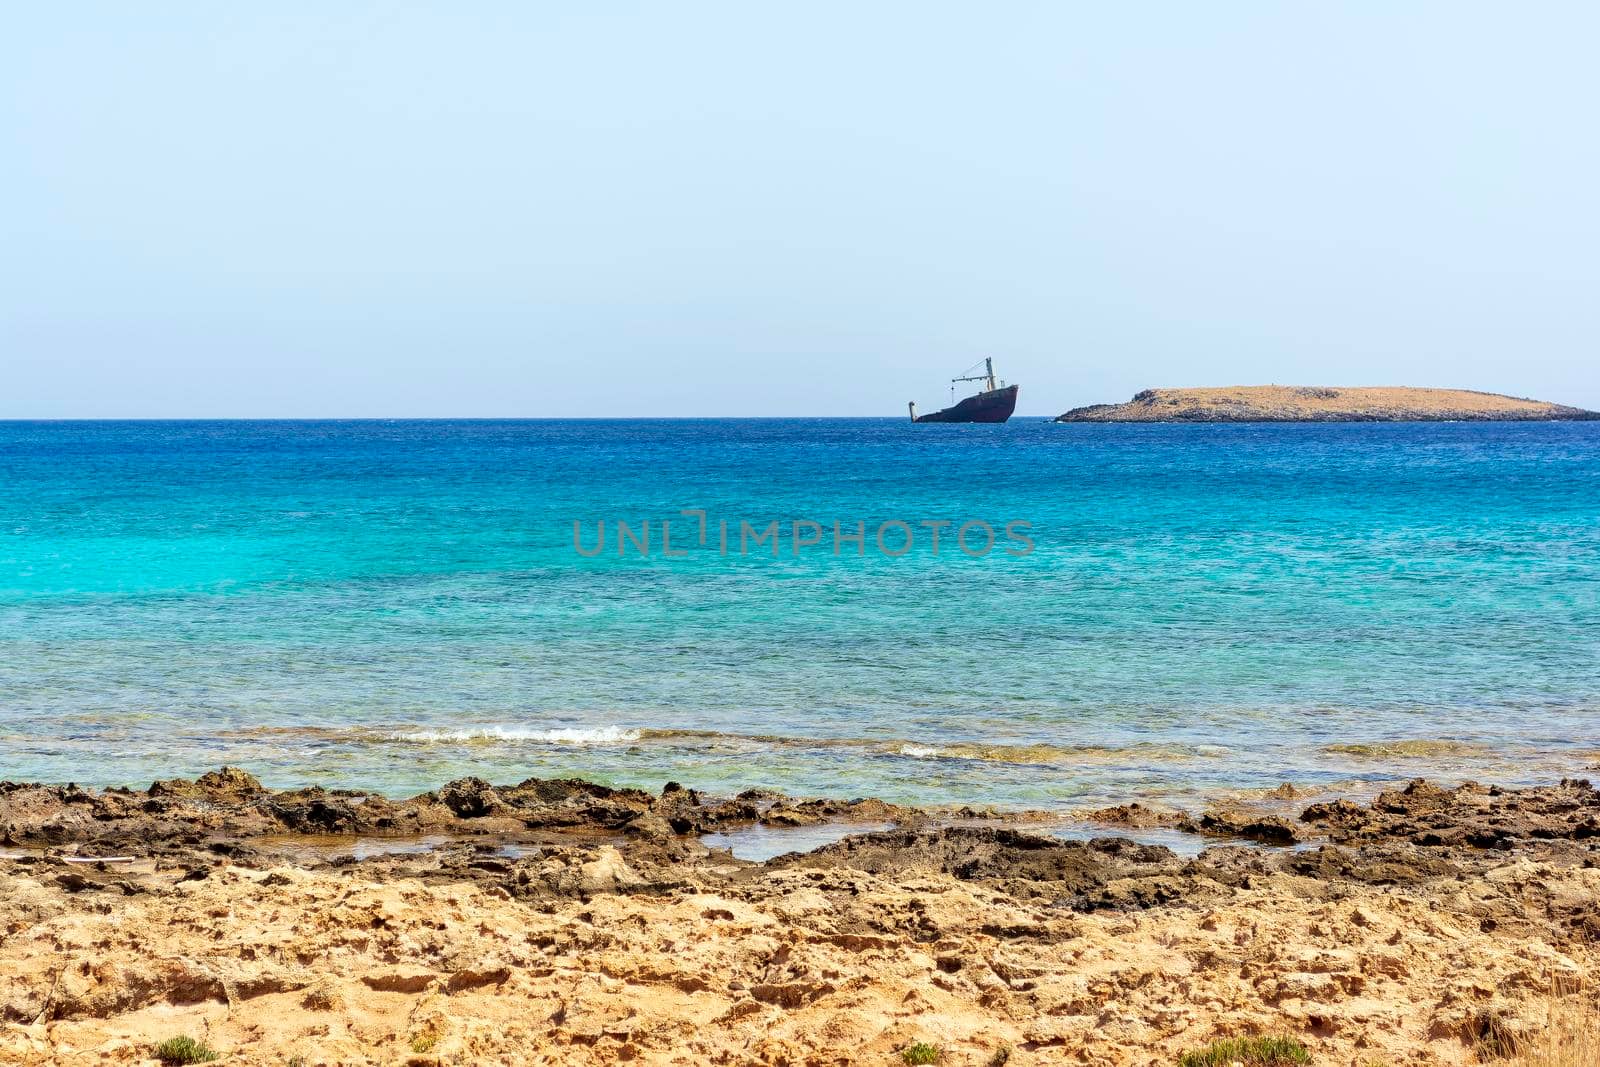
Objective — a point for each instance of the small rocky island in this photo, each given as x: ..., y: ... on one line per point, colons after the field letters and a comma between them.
x: 1286, y: 403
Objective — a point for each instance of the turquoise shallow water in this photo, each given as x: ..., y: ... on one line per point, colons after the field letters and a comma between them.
x: 390, y: 604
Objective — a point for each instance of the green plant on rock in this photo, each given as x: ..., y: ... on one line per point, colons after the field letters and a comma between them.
x: 180, y: 1050
x: 1251, y: 1051
x: 920, y: 1053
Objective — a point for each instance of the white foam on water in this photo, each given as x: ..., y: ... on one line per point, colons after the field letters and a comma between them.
x: 577, y: 736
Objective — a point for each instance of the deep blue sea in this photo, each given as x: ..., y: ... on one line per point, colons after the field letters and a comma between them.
x: 1205, y: 608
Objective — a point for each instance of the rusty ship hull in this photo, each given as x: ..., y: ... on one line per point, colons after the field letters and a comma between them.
x: 991, y: 405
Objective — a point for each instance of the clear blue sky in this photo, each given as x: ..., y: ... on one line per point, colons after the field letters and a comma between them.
x: 387, y: 209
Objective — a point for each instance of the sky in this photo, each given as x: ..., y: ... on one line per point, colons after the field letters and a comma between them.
x: 379, y: 209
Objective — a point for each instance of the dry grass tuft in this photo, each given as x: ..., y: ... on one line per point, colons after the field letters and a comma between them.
x: 1570, y: 1036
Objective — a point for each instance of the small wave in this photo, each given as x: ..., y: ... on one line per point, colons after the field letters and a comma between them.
x: 988, y: 753
x: 1036, y: 753
x: 1042, y: 753
x: 600, y: 735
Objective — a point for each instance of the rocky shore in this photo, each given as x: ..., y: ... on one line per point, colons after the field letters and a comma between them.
x: 559, y: 921
x: 1283, y: 403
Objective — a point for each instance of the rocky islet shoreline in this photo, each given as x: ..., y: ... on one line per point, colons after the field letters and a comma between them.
x: 1283, y: 403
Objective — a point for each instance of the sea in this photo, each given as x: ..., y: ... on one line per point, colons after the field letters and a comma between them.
x: 1112, y: 612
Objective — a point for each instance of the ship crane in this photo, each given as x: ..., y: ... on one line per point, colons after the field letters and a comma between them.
x: 986, y: 376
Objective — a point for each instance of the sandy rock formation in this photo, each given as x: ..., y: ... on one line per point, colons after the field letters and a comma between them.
x: 1283, y: 403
